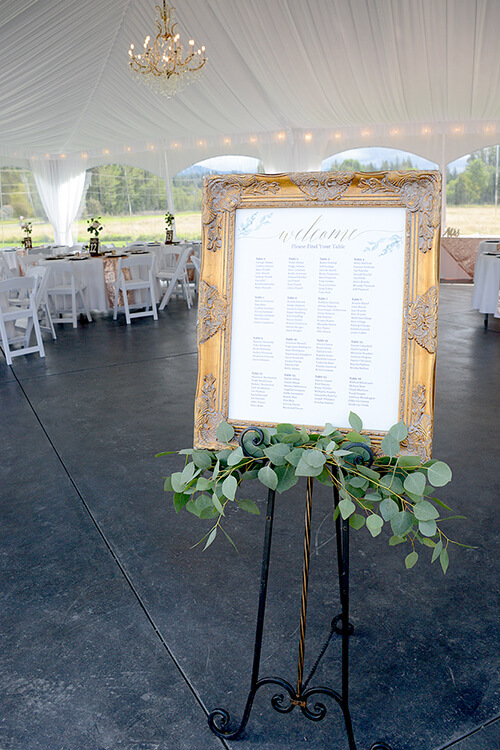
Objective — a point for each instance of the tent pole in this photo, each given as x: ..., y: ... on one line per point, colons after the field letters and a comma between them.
x: 443, y: 186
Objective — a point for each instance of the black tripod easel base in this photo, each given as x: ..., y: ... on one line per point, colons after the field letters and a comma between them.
x: 302, y: 696
x: 284, y: 702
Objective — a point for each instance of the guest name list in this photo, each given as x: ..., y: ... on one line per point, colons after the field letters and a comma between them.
x: 317, y: 312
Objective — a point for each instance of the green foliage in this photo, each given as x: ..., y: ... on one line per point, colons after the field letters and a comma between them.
x: 476, y: 184
x: 395, y: 492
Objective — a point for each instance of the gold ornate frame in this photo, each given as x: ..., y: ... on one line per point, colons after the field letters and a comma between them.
x: 419, y: 193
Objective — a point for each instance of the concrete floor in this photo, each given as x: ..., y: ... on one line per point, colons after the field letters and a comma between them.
x: 116, y: 635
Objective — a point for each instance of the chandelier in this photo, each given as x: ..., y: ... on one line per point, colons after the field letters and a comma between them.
x: 161, y: 65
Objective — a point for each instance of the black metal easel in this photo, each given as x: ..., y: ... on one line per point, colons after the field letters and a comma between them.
x: 300, y: 695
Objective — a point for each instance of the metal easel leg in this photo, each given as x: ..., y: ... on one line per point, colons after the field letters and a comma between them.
x: 219, y: 718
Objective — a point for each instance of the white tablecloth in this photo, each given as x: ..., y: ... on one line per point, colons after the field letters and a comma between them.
x: 89, y: 272
x: 485, y: 297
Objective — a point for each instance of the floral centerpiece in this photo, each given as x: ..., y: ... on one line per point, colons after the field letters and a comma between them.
x: 94, y: 227
x: 392, y: 491
x: 169, y: 230
x: 27, y: 228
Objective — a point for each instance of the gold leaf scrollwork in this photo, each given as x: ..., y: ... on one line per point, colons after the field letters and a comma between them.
x: 207, y: 416
x: 323, y: 188
x: 420, y: 427
x: 422, y: 320
x: 212, y: 316
x: 418, y: 192
x: 224, y: 194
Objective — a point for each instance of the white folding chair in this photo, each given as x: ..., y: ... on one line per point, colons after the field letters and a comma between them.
x: 197, y: 270
x: 173, y: 272
x: 41, y: 298
x: 10, y: 313
x: 25, y: 261
x: 62, y: 286
x: 140, y: 280
x: 6, y: 272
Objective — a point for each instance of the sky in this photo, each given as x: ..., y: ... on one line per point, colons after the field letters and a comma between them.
x: 365, y: 156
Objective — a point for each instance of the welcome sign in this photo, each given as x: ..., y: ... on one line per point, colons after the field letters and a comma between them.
x: 318, y: 296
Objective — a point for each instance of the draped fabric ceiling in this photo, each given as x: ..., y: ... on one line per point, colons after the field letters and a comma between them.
x: 288, y: 81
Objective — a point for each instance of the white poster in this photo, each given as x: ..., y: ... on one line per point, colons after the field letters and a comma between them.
x: 317, y: 314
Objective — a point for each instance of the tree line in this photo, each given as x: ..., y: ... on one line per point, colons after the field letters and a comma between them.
x: 476, y: 184
x: 118, y: 190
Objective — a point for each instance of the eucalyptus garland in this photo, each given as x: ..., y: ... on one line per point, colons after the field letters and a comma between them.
x: 374, y: 490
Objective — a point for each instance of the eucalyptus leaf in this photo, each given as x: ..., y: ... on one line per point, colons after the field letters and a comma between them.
x: 393, y: 483
x: 427, y: 528
x: 203, y: 484
x: 408, y: 461
x: 249, y: 506
x: 216, y: 470
x: 388, y: 508
x: 395, y: 540
x: 202, y: 459
x: 401, y: 523
x: 225, y: 432
x: 291, y: 438
x: 314, y: 458
x: 304, y: 469
x: 425, y: 511
x: 189, y: 472
x: 180, y: 501
x: 415, y: 483
x: 211, y: 537
x: 250, y: 474
x: 346, y: 507
x: 229, y: 487
x: 285, y: 428
x: 444, y: 559
x: 329, y: 429
x: 356, y: 521
x: 286, y: 477
x: 374, y: 524
x: 439, y: 474
x: 294, y: 456
x: 268, y: 477
x: 223, y: 455
x: 355, y: 437
x: 399, y: 431
x: 361, y: 482
x: 390, y: 445
x: 208, y: 512
x: 178, y: 484
x: 367, y: 472
x: 277, y: 453
x: 437, y: 551
x: 355, y: 422
x: 235, y: 457
x: 167, y: 484
x: 201, y: 506
x: 217, y: 504
x: 428, y: 542
x: 411, y: 559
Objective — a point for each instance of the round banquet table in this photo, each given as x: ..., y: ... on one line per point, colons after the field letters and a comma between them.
x: 485, y: 297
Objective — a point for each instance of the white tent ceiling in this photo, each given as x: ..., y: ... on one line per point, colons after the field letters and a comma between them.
x: 288, y: 81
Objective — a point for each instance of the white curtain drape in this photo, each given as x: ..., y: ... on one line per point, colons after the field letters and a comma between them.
x: 60, y: 184
x: 293, y: 151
